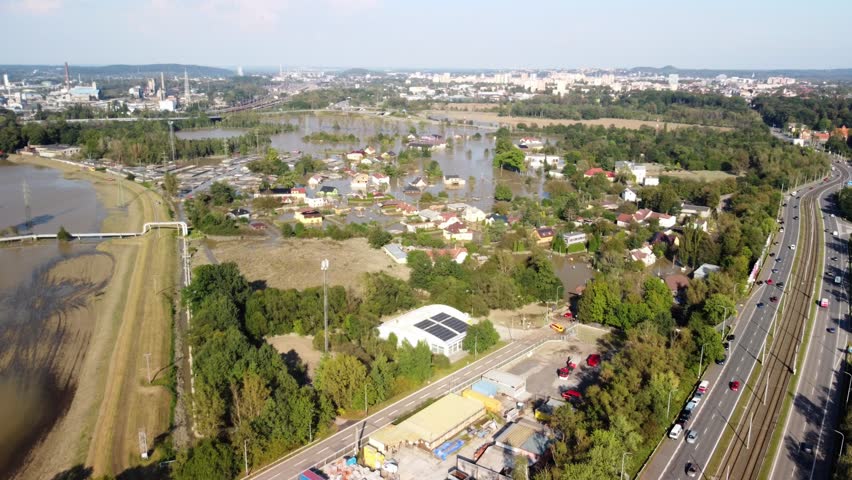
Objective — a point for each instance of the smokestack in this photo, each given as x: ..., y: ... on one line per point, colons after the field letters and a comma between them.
x: 162, y: 86
x: 67, y: 77
x: 186, y: 85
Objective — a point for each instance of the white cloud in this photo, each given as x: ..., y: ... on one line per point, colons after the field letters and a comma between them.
x: 37, y: 7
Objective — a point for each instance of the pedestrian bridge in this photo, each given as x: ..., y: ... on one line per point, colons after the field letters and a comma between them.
x: 184, y: 230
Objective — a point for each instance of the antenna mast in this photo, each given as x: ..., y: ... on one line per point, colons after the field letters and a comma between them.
x: 27, y: 211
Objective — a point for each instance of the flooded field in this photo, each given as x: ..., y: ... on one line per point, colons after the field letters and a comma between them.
x: 469, y: 158
x: 38, y: 297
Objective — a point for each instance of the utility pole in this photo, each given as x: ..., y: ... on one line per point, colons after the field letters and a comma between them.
x: 171, y: 140
x: 669, y: 404
x: 27, y: 211
x: 750, y: 420
x: 700, y: 361
x: 324, y: 268
x: 842, y: 442
x: 245, y: 454
x: 148, y: 365
x: 621, y: 477
x: 365, y: 399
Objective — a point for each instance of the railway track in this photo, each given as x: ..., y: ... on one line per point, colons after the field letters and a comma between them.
x: 747, y: 451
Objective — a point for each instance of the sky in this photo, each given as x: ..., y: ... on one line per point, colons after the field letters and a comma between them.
x: 430, y: 34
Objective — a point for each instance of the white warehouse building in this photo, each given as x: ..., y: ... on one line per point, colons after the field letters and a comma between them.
x: 442, y: 327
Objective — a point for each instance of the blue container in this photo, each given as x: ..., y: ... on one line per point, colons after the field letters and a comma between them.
x: 485, y: 388
x: 351, y: 461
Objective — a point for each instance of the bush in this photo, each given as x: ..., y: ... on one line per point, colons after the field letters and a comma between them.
x: 62, y: 235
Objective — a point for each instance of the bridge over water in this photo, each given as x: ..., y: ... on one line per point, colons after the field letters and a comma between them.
x: 182, y: 226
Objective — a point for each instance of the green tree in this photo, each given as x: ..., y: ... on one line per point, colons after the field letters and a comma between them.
x: 222, y: 193
x: 382, y: 374
x: 717, y: 307
x: 224, y: 278
x: 480, y: 337
x: 170, y: 184
x: 384, y: 295
x: 209, y: 459
x: 414, y: 362
x: 62, y: 235
x: 420, y: 266
x: 216, y: 313
x: 598, y: 302
x: 378, y: 237
x: 512, y: 159
x: 502, y: 193
x: 341, y: 377
x: 536, y: 278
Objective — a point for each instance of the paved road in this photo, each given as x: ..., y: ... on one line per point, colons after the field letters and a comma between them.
x: 717, y: 406
x: 344, y: 441
x: 818, y: 400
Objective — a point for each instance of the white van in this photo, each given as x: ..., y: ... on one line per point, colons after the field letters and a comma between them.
x: 838, y: 280
x: 834, y: 233
x: 675, y: 432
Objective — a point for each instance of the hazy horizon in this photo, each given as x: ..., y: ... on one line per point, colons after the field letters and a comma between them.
x: 387, y: 34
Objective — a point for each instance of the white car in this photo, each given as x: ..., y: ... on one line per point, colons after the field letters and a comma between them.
x: 792, y: 246
x: 692, y: 436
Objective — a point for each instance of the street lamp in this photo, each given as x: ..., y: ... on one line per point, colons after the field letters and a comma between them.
x: 848, y: 387
x: 557, y: 295
x: 622, y: 464
x: 842, y: 441
x: 669, y: 404
x: 701, y: 361
x: 324, y: 268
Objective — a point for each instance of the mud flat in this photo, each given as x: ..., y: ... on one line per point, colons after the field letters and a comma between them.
x: 89, y: 319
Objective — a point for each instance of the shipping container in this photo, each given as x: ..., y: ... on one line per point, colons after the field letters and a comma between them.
x: 491, y: 404
x: 485, y: 387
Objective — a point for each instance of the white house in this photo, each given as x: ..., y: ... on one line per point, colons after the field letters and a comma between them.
x: 704, y: 270
x: 664, y: 220
x: 317, y: 202
x: 429, y: 215
x: 473, y: 215
x: 644, y: 255
x: 628, y: 195
x: 689, y: 209
x: 571, y: 238
x: 453, y: 181
x: 314, y: 181
x: 379, y: 179
x: 638, y: 171
x: 458, y: 231
x: 651, y: 181
x: 360, y: 181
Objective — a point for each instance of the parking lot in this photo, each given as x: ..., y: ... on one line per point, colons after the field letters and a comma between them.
x: 540, y: 368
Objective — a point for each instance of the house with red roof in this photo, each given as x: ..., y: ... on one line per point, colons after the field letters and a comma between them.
x: 458, y: 231
x: 596, y: 170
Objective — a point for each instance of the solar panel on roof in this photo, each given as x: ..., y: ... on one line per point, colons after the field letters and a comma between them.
x: 441, y: 332
x: 456, y: 324
x: 424, y: 324
x: 440, y: 317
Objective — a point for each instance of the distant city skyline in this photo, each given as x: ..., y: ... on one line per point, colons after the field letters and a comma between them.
x: 440, y: 34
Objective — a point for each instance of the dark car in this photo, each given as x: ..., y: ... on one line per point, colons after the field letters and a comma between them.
x: 771, y: 254
x: 726, y: 345
x: 774, y: 270
x: 773, y: 299
x: 807, y: 448
x: 761, y: 305
x: 731, y: 337
x: 832, y: 330
x: 759, y: 282
x: 779, y: 284
x: 796, y: 217
x: 691, y: 469
x: 721, y: 361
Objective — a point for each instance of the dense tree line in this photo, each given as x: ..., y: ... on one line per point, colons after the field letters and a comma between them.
x: 751, y: 151
x: 130, y: 143
x: 819, y: 112
x: 203, y: 214
x: 502, y: 282
x: 652, y: 105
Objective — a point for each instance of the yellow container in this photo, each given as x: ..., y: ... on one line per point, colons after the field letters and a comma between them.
x: 491, y: 404
x: 373, y: 459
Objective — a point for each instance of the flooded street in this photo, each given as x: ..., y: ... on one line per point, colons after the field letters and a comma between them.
x: 34, y: 389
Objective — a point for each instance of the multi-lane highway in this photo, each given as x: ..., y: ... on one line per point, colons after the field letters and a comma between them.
x: 756, y: 317
x: 810, y: 442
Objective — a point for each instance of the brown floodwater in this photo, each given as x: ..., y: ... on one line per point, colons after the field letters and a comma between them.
x: 34, y: 393
x: 468, y: 158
